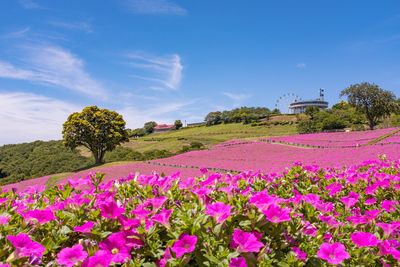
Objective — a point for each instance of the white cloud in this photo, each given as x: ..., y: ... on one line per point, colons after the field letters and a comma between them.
x: 163, y: 71
x: 301, y: 65
x: 155, y: 7
x: 236, y: 97
x: 18, y: 33
x: 29, y: 4
x: 55, y: 66
x: 79, y: 26
x: 160, y: 112
x: 27, y: 117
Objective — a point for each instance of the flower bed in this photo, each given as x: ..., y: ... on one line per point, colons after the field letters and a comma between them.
x: 336, y: 139
x: 307, y: 216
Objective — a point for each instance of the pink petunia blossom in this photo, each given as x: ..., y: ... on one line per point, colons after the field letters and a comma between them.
x: 246, y: 242
x: 110, y: 210
x: 389, y: 228
x: 100, y: 259
x: 166, y: 257
x: 219, y: 210
x: 185, y: 244
x: 333, y: 253
x: 115, y: 245
x: 41, y: 216
x: 4, y: 265
x: 300, y: 255
x: 364, y: 239
x: 350, y: 200
x: 4, y: 219
x: 25, y: 246
x: 70, y: 256
x: 389, y: 205
x: 276, y: 214
x: 84, y: 228
x: 238, y: 262
x: 163, y: 217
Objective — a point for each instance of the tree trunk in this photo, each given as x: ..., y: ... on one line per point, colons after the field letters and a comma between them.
x: 371, y: 125
x: 98, y: 157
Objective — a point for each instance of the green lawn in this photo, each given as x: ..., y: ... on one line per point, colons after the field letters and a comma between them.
x: 174, y: 140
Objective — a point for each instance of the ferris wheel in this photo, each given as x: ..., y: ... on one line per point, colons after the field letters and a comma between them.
x: 284, y: 101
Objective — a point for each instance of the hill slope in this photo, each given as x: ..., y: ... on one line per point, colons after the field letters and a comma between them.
x: 24, y: 161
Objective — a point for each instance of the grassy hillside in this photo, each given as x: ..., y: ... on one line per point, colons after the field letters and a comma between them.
x: 24, y: 161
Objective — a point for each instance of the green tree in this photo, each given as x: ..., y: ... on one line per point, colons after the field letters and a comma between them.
x: 149, y: 127
x: 371, y: 100
x: 178, y: 124
x: 213, y: 118
x: 311, y: 111
x: 99, y: 130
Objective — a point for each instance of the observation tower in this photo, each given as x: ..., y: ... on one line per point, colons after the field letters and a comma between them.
x: 300, y: 106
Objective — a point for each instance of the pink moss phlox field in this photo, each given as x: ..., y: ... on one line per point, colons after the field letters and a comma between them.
x: 305, y: 216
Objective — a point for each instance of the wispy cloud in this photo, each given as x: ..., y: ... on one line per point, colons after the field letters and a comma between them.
x: 301, y: 65
x: 79, y: 26
x: 160, y: 112
x: 236, y: 97
x: 30, y: 117
x: 54, y: 66
x: 29, y: 4
x: 18, y: 33
x: 155, y: 7
x: 165, y: 72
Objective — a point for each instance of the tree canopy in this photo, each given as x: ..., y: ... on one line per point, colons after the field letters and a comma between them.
x: 371, y: 100
x: 99, y: 130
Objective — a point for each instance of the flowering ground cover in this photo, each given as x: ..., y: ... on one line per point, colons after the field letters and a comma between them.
x: 269, y: 157
x: 305, y: 216
x: 336, y: 139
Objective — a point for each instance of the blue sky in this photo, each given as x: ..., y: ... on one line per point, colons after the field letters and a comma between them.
x: 167, y: 59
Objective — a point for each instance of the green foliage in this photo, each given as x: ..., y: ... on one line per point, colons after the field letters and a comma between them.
x: 333, y: 122
x: 213, y: 118
x: 29, y: 160
x: 138, y: 132
x: 149, y: 127
x: 123, y: 154
x: 192, y: 146
x: 307, y: 126
x: 178, y: 124
x: 99, y: 130
x: 243, y: 115
x: 372, y: 101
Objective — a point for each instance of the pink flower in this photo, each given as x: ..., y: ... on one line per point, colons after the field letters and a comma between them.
x: 363, y: 239
x: 238, y: 262
x: 4, y: 219
x: 157, y: 202
x: 389, y: 205
x: 100, y: 259
x: 276, y: 214
x: 115, y: 245
x: 163, y: 217
x: 111, y: 210
x: 84, y: 228
x: 4, y: 265
x: 350, y: 200
x: 185, y: 244
x: 70, y: 256
x: 246, y: 242
x: 370, y: 201
x: 166, y: 257
x: 41, y: 216
x: 25, y: 246
x: 219, y: 210
x: 333, y: 253
x: 388, y: 228
x: 334, y: 188
x: 301, y: 255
